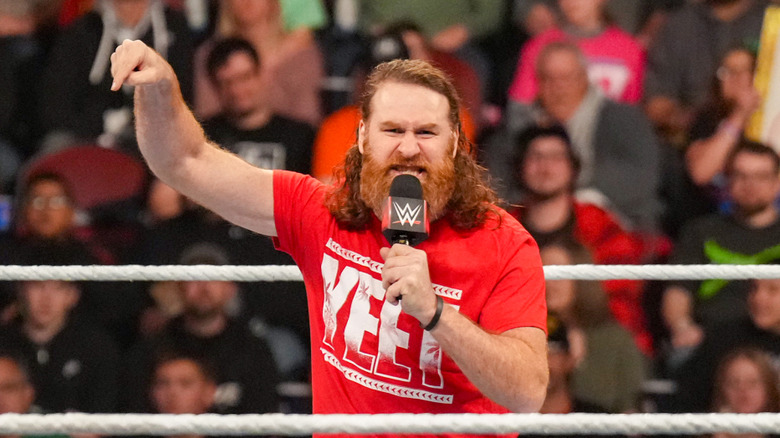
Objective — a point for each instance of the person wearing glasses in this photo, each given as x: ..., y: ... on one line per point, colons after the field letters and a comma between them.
x: 748, y: 234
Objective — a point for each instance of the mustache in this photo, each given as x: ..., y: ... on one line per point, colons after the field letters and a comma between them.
x: 406, y: 162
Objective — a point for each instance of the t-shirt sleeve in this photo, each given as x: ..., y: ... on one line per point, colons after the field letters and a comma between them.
x: 637, y: 64
x: 298, y: 211
x: 518, y: 299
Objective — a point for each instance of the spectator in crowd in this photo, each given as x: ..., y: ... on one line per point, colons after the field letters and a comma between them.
x: 562, y: 361
x: 45, y: 219
x: 280, y: 304
x: 746, y: 383
x: 76, y: 82
x: 450, y: 26
x: 687, y: 53
x: 162, y: 203
x: 292, y: 64
x: 22, y: 57
x: 748, y: 235
x: 247, y: 124
x: 182, y: 385
x: 546, y: 171
x: 694, y: 183
x: 695, y: 373
x: 560, y: 398
x: 73, y: 364
x: 538, y: 16
x: 47, y: 209
x: 719, y: 126
x: 616, y: 61
x: 16, y: 390
x: 618, y: 151
x: 609, y: 367
x: 246, y: 371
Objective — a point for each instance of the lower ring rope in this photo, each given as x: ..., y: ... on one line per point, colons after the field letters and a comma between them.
x: 292, y: 273
x: 280, y: 424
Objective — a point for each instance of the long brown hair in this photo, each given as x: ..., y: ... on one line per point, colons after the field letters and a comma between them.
x: 472, y: 201
x: 769, y: 378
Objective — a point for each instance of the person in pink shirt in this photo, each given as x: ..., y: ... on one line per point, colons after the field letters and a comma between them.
x: 616, y: 61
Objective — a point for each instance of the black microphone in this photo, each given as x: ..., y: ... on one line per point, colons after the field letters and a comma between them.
x: 405, y: 215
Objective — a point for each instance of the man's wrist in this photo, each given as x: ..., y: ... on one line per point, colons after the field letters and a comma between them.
x: 435, y: 320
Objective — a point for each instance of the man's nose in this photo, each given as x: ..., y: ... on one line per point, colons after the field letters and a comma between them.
x: 409, y: 146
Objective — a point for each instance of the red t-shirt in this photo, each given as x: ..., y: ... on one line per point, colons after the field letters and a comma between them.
x: 367, y: 355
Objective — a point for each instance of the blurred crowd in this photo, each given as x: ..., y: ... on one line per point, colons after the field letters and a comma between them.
x: 613, y: 130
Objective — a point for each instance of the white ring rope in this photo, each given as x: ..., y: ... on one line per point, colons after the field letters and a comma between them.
x: 280, y: 424
x: 292, y: 273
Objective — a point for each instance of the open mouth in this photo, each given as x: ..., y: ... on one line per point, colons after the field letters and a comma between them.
x: 407, y: 170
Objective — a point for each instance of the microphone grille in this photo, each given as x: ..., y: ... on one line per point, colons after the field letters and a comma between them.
x: 406, y: 186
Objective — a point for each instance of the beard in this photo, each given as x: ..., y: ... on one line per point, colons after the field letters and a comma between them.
x: 438, y: 184
x: 544, y: 195
x: 753, y: 208
x: 201, y: 313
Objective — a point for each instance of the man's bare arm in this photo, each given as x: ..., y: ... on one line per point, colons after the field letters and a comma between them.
x: 509, y: 368
x: 177, y: 151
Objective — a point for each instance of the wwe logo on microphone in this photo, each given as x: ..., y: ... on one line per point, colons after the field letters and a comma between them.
x: 407, y: 214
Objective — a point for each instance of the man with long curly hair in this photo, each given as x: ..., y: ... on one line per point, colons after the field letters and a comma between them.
x: 469, y: 333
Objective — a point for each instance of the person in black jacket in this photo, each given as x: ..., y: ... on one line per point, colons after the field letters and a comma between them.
x: 73, y: 365
x: 248, y: 124
x: 695, y: 377
x: 76, y: 82
x: 246, y: 373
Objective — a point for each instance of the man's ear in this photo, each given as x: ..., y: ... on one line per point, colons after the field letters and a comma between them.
x: 74, y: 294
x: 455, y: 137
x: 361, y: 135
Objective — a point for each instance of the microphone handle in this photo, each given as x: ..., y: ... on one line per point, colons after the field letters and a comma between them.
x: 403, y: 239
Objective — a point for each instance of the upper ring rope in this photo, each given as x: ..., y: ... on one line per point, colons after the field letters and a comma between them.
x: 292, y: 273
x: 280, y: 424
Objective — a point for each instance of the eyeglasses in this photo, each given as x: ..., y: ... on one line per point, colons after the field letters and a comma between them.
x: 53, y: 202
x: 725, y: 72
x: 555, y: 157
x: 12, y: 386
x: 759, y: 177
